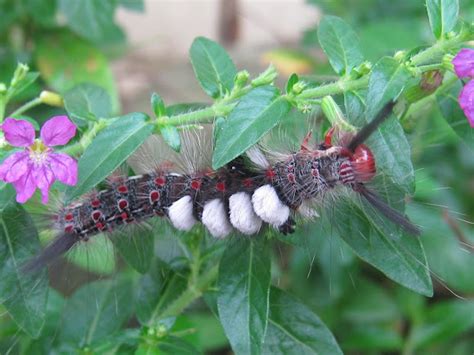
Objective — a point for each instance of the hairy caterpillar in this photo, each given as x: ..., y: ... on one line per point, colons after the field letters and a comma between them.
x: 243, y: 196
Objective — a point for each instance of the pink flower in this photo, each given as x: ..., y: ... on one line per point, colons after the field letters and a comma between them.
x: 37, y: 166
x: 466, y: 101
x: 464, y: 63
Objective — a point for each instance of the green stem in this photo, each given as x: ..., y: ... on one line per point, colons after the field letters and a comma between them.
x: 30, y: 104
x: 439, y: 49
x: 192, y: 293
x: 87, y: 138
x: 337, y: 87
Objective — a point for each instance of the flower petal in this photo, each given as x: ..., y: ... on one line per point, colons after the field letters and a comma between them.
x: 57, y: 131
x: 464, y: 63
x: 14, y: 166
x: 44, y: 178
x: 25, y: 186
x: 466, y: 101
x: 64, y: 168
x: 19, y: 133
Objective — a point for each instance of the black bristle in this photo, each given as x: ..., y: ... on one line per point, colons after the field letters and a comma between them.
x: 369, y: 128
x: 392, y: 214
x: 58, y: 247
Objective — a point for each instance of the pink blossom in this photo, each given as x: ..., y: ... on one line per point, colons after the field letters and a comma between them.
x: 466, y: 101
x: 36, y: 166
x: 464, y: 63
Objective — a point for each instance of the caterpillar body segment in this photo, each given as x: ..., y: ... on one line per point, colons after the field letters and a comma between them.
x: 243, y: 196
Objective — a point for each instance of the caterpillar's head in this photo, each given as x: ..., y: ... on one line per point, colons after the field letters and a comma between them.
x: 363, y: 163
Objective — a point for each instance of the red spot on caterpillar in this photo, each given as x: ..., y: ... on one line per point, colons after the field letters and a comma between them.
x: 122, y: 204
x: 68, y: 217
x: 95, y: 203
x: 160, y: 181
x: 196, y: 184
x: 315, y: 173
x: 154, y: 196
x: 291, y: 178
x: 100, y: 226
x: 270, y: 174
x: 96, y: 215
x: 220, y: 186
x: 122, y: 189
x: 248, y: 182
x: 69, y: 228
x: 124, y: 216
x: 363, y: 163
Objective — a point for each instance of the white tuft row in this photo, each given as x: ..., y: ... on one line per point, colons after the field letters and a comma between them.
x: 245, y: 213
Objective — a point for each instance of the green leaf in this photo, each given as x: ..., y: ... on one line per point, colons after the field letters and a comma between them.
x: 454, y: 115
x: 257, y: 113
x: 212, y: 66
x: 340, y: 43
x: 87, y: 102
x: 171, y: 136
x: 380, y: 243
x: 157, y: 105
x: 97, y: 256
x: 23, y: 295
x: 136, y: 248
x: 444, y: 321
x: 65, y: 60
x: 293, y: 328
x: 132, y: 5
x: 95, y: 311
x: 365, y: 338
x: 389, y: 143
x: 293, y: 79
x: 448, y: 260
x: 109, y: 150
x: 443, y: 16
x: 244, y: 285
x: 90, y: 19
x: 42, y: 11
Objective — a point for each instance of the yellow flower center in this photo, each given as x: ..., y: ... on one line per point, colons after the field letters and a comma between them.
x: 38, y: 152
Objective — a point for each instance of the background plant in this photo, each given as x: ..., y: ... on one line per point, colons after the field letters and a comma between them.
x: 178, y: 293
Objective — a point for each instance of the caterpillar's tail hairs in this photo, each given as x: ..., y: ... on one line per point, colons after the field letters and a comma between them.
x: 253, y: 192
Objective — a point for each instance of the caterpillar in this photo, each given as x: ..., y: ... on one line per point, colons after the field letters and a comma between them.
x: 243, y: 196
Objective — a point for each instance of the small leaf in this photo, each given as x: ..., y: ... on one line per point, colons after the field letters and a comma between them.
x: 454, y: 115
x: 258, y: 112
x: 291, y: 81
x: 109, y: 149
x: 212, y: 66
x: 23, y: 295
x: 136, y: 248
x: 389, y: 143
x: 443, y: 16
x: 96, y: 310
x: 157, y: 105
x: 29, y: 79
x: 293, y: 328
x: 244, y: 284
x: 65, y: 60
x: 85, y: 102
x: 340, y: 43
x: 171, y: 136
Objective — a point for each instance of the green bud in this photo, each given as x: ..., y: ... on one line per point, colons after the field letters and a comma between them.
x: 334, y: 114
x: 447, y: 62
x: 362, y: 69
x: 265, y: 78
x: 400, y: 56
x: 19, y: 74
x: 51, y: 99
x: 428, y: 84
x: 241, y: 78
x: 161, y: 331
x: 158, y: 105
x: 3, y: 88
x: 298, y: 87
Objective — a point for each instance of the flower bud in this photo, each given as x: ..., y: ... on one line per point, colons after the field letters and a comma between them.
x: 265, y: 78
x: 241, y: 78
x: 51, y: 98
x: 3, y: 88
x: 334, y: 114
x: 19, y: 74
x: 298, y: 87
